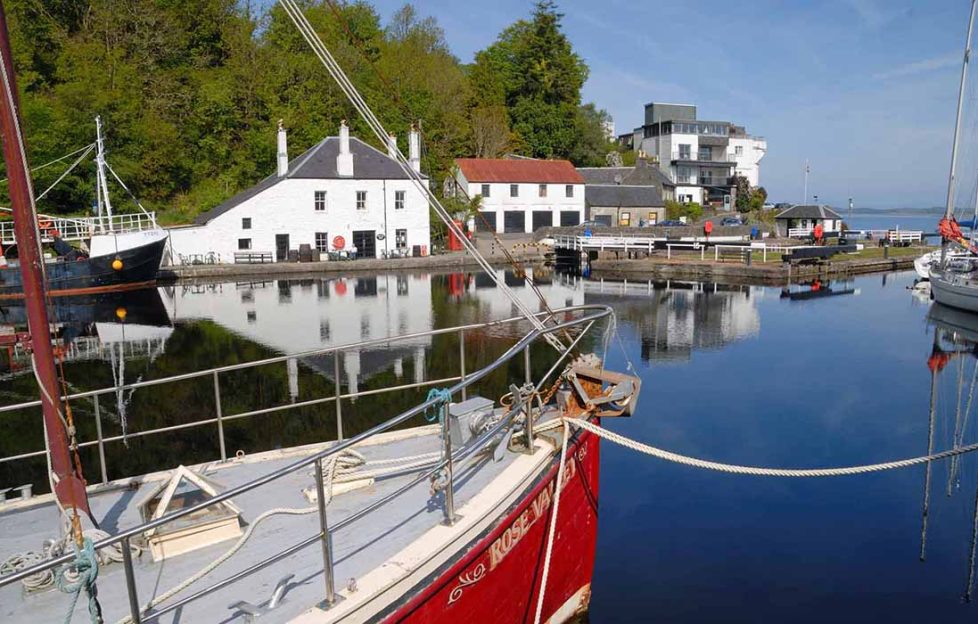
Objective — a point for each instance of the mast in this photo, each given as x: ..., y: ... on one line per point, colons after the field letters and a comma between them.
x: 102, y: 181
x: 949, y: 207
x: 69, y: 486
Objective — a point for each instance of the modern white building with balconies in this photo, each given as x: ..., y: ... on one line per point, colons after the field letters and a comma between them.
x: 701, y: 157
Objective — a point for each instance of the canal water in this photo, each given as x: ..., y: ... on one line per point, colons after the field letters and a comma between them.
x: 817, y: 375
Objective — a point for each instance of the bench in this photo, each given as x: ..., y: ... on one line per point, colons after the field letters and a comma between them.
x: 253, y: 257
x: 724, y: 252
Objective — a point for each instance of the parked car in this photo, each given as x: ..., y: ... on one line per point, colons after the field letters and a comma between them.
x: 670, y: 222
x: 732, y: 221
x: 591, y: 224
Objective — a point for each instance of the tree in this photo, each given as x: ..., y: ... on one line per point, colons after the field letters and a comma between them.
x: 491, y: 136
x: 533, y: 70
x: 592, y: 145
x: 742, y: 188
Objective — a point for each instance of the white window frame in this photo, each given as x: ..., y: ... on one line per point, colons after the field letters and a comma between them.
x: 399, y: 197
x: 319, y: 201
x: 569, y: 190
x: 485, y: 190
x: 325, y: 239
x: 514, y: 190
x: 361, y: 200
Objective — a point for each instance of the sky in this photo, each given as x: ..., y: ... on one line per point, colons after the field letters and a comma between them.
x: 865, y: 90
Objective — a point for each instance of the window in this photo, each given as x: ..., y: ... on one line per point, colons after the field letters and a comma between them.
x: 625, y: 219
x: 247, y: 296
x: 400, y: 239
x: 398, y: 200
x: 364, y: 328
x: 320, y: 201
x: 324, y: 331
x: 543, y: 190
x: 252, y: 316
x: 514, y: 190
x: 705, y: 153
x: 684, y: 151
x: 246, y: 223
x: 322, y: 242
x: 653, y: 217
x: 361, y: 200
x: 739, y: 150
x: 485, y: 190
x: 569, y: 190
x: 244, y: 243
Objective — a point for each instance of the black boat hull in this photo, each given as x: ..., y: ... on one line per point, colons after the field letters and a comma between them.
x: 138, y: 269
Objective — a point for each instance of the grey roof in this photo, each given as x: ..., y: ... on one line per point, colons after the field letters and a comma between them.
x: 614, y: 195
x: 808, y: 211
x: 645, y: 175
x: 319, y: 162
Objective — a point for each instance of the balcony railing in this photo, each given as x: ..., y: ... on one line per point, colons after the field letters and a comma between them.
x: 698, y: 157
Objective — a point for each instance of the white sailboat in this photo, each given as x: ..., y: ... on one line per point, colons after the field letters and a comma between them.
x: 954, y: 280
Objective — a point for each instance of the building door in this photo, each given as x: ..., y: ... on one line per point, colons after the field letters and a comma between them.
x: 365, y: 242
x: 281, y: 247
x: 486, y: 222
x: 542, y: 219
x: 569, y: 217
x: 514, y: 221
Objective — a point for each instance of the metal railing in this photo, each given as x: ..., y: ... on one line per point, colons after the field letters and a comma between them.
x: 82, y: 228
x: 704, y: 157
x: 589, y: 315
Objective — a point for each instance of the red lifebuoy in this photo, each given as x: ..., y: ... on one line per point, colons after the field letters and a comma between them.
x: 44, y: 224
x: 340, y: 287
x: 339, y: 242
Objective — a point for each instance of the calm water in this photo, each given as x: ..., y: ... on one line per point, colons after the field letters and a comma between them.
x: 745, y: 375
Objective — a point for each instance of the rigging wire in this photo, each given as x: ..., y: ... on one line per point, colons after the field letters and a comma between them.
x: 326, y: 58
x: 405, y: 107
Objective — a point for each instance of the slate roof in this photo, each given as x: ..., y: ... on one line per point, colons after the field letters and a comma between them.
x: 615, y: 195
x: 319, y: 162
x: 808, y: 211
x: 634, y: 176
x: 518, y: 170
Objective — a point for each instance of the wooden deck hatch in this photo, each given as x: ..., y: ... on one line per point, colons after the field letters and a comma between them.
x: 186, y: 488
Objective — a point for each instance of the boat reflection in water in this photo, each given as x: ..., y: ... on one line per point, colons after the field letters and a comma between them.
x: 954, y: 352
x: 818, y: 289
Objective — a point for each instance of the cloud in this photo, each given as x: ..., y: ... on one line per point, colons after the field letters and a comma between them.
x: 918, y: 67
x: 873, y: 15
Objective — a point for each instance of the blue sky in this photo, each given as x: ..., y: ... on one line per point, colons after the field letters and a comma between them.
x: 864, y: 89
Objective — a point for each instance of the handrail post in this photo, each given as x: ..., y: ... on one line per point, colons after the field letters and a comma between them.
x: 130, y: 581
x: 528, y: 374
x: 461, y: 359
x: 339, y: 405
x: 324, y: 528
x: 446, y: 435
x: 220, y: 417
x: 101, y: 442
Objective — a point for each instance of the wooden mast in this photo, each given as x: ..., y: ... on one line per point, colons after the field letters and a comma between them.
x: 69, y: 485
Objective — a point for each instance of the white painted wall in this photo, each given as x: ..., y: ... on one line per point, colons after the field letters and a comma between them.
x: 289, y: 208
x: 752, y: 150
x: 529, y: 200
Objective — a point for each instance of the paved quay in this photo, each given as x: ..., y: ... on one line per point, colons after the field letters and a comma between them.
x: 739, y: 273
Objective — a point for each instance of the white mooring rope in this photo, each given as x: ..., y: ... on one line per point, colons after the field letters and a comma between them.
x: 764, y: 472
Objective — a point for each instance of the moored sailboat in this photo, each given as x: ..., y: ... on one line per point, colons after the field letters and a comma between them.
x: 488, y: 514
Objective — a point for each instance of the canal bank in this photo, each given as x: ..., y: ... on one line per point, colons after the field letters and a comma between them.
x: 742, y: 273
x: 445, y: 262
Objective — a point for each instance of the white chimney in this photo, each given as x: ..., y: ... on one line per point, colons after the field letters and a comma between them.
x: 344, y: 160
x: 392, y: 146
x: 414, y: 149
x: 283, y: 151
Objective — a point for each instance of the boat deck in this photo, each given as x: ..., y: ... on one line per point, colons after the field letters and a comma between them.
x: 358, y: 548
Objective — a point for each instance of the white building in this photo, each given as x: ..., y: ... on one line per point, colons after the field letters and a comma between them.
x: 800, y: 221
x: 701, y: 157
x: 521, y: 195
x: 340, y: 194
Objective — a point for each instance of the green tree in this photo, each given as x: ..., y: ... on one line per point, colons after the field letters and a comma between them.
x: 533, y: 70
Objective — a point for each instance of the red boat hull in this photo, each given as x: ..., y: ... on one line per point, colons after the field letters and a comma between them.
x: 498, y: 580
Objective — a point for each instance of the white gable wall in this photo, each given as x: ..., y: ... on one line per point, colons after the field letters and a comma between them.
x: 289, y: 208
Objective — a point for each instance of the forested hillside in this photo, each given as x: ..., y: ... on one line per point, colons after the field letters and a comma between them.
x: 190, y: 91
